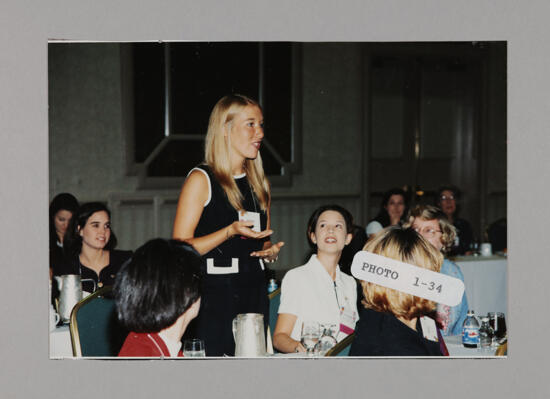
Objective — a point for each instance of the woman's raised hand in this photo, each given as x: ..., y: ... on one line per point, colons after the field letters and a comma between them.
x: 269, y: 254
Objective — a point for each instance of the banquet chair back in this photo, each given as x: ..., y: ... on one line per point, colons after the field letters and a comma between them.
x: 274, y: 301
x: 341, y: 348
x: 502, y: 350
x: 95, y: 330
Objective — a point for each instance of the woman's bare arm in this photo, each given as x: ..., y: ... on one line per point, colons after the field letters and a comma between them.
x: 281, y: 336
x: 194, y: 194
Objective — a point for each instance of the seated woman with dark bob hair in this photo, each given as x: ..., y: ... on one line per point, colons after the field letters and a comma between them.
x: 390, y: 324
x: 157, y: 294
x: 318, y: 291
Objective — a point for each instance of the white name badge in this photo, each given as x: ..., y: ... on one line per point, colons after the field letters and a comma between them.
x: 253, y: 217
x: 429, y: 329
x: 407, y: 278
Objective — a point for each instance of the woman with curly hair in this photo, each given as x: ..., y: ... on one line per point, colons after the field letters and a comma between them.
x: 432, y: 224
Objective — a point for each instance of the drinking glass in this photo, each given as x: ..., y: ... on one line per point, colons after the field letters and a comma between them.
x: 474, y: 247
x: 193, y: 348
x: 311, y: 333
x: 498, y: 323
x: 327, y: 340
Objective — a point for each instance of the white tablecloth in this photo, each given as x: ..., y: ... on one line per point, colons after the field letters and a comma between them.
x: 455, y: 347
x: 60, y: 343
x: 486, y: 283
x: 453, y: 342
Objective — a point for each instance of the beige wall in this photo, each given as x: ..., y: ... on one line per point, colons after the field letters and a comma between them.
x: 86, y: 144
x: 87, y: 141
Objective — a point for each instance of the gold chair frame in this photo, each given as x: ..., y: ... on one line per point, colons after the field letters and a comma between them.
x: 274, y: 293
x: 73, y: 324
x: 502, y: 350
x: 340, y: 346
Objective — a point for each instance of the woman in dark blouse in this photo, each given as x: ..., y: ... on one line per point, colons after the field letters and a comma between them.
x: 447, y: 197
x: 394, y: 323
x: 62, y: 208
x: 90, y: 244
x: 393, y: 211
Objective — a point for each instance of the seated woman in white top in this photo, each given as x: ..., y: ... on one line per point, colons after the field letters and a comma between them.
x: 319, y: 291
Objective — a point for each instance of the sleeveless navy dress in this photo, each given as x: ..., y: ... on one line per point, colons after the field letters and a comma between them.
x: 233, y: 281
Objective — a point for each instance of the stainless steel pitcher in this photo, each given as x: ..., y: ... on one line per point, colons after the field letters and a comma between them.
x: 70, y: 286
x: 249, y: 335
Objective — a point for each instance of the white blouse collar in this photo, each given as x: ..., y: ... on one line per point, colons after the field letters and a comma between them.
x: 173, y: 347
x: 316, y: 265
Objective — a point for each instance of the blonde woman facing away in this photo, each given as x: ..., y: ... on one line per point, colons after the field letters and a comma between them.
x: 394, y: 323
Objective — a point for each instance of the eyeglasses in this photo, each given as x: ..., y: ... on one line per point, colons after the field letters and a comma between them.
x: 427, y: 232
x: 447, y: 197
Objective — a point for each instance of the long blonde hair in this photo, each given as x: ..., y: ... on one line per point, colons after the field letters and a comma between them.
x: 217, y: 153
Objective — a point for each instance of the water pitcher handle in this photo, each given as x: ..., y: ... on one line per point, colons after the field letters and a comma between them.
x: 92, y: 280
x: 234, y: 327
x: 59, y: 282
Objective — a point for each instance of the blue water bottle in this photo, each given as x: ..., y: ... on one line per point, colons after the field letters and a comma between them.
x: 470, y: 331
x: 272, y: 286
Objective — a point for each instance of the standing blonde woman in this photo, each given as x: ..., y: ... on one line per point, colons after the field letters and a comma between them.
x: 223, y: 211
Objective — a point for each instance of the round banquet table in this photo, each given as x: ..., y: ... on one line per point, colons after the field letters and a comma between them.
x: 456, y: 349
x: 60, y: 343
x: 485, y: 281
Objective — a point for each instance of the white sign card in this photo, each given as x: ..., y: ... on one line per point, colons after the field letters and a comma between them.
x: 407, y: 278
x: 251, y: 217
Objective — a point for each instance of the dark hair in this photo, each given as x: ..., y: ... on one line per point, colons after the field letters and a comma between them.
x: 456, y: 193
x: 78, y: 221
x: 159, y: 283
x: 454, y: 189
x: 62, y: 201
x: 382, y: 217
x: 312, y: 223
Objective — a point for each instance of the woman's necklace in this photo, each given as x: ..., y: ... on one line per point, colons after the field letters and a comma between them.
x: 96, y: 266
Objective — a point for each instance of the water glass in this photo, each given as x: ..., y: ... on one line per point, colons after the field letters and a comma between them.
x: 193, y: 348
x: 474, y: 248
x: 311, y: 333
x: 485, y: 334
x: 327, y: 340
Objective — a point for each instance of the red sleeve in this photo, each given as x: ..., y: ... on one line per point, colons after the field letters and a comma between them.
x: 137, y: 345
